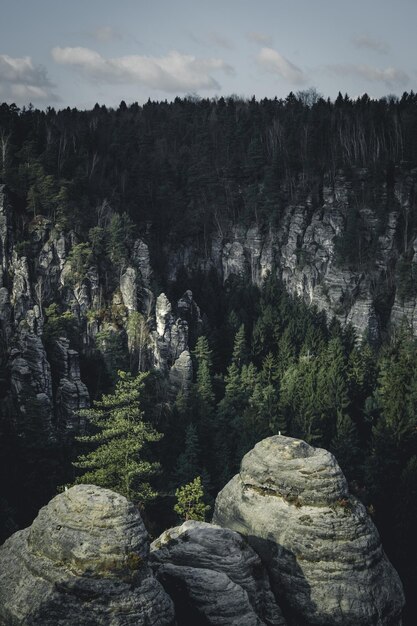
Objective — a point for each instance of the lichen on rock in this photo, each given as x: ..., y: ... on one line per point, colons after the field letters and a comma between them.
x: 83, y: 561
x: 322, y: 551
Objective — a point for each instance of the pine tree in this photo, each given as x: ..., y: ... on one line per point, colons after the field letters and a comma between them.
x: 188, y: 463
x: 190, y: 504
x: 202, y: 352
x: 345, y: 446
x: 240, y: 350
x: 118, y: 460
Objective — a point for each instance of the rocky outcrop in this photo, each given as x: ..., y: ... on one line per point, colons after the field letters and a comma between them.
x: 83, y: 561
x: 31, y: 382
x: 302, y: 250
x: 141, y: 258
x: 181, y: 374
x: 169, y: 342
x: 322, y: 551
x: 128, y: 289
x: 289, y: 546
x: 72, y: 394
x: 214, y: 577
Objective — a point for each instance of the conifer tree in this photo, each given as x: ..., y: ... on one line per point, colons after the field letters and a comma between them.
x: 190, y: 504
x: 240, y: 350
x: 188, y: 463
x: 118, y: 460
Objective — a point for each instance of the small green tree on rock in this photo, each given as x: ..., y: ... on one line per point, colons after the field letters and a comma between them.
x: 118, y: 460
x: 190, y: 503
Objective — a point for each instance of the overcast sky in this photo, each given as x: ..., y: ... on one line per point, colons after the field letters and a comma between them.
x: 78, y: 52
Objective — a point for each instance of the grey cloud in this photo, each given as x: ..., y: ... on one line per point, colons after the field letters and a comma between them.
x: 173, y: 72
x: 222, y: 41
x: 105, y: 34
x: 390, y: 76
x: 21, y: 81
x: 377, y: 45
x: 272, y: 61
x: 260, y: 38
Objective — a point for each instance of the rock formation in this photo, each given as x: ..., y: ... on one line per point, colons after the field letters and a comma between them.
x: 301, y: 250
x: 169, y: 342
x: 83, y: 561
x: 214, y: 577
x: 288, y: 536
x: 322, y: 551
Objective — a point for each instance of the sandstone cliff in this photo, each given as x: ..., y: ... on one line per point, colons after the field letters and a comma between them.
x: 302, y: 250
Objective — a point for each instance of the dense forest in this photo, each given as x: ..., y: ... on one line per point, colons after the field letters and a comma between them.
x: 187, y: 165
x: 264, y: 362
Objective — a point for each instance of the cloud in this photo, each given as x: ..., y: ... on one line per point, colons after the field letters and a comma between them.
x: 220, y: 40
x: 390, y: 76
x: 377, y: 45
x: 261, y: 38
x: 22, y: 82
x: 272, y: 61
x: 173, y: 72
x: 104, y: 34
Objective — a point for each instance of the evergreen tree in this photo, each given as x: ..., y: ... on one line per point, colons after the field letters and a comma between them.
x: 119, y: 459
x: 240, y: 350
x: 345, y: 446
x: 188, y: 463
x: 190, y: 504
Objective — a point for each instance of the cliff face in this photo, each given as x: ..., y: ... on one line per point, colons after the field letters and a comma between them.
x: 40, y: 362
x: 303, y: 251
x: 322, y: 551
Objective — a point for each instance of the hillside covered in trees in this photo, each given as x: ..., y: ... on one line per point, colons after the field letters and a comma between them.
x: 285, y: 231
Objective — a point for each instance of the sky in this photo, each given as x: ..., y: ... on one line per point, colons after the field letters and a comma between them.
x: 78, y: 52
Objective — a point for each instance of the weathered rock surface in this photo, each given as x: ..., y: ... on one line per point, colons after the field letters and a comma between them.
x: 322, y: 551
x: 181, y: 373
x: 83, y: 561
x: 128, y: 289
x: 169, y: 342
x: 142, y: 260
x: 214, y: 577
x: 72, y: 394
x: 301, y: 250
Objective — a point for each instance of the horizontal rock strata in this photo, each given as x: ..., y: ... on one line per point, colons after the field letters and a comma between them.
x: 83, y: 561
x: 322, y: 551
x: 214, y: 577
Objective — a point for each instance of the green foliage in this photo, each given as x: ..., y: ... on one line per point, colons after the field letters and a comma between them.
x: 119, y: 238
x: 119, y: 459
x: 191, y: 167
x: 110, y: 344
x: 79, y: 258
x: 190, y: 504
x: 188, y: 464
x: 60, y: 325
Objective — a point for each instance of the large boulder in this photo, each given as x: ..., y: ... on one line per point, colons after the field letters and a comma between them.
x: 214, y: 577
x: 83, y: 561
x: 322, y: 551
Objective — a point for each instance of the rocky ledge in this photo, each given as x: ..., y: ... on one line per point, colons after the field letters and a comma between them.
x: 322, y: 551
x: 83, y: 561
x: 214, y: 577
